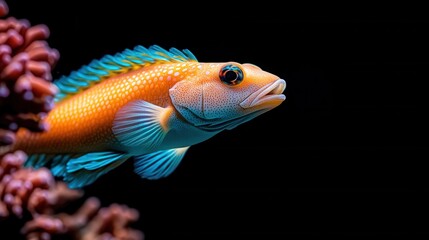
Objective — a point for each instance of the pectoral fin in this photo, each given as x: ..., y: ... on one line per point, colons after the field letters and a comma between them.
x: 159, y: 164
x: 141, y: 123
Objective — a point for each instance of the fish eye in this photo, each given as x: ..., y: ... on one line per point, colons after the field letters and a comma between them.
x: 231, y: 75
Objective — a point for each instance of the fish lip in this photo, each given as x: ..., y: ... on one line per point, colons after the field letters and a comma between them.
x: 271, y: 92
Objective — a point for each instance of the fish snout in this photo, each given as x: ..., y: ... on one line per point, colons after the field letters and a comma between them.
x: 270, y: 95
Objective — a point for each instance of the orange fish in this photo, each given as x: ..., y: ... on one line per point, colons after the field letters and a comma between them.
x: 147, y: 103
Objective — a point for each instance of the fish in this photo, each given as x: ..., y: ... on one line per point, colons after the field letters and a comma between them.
x: 146, y: 104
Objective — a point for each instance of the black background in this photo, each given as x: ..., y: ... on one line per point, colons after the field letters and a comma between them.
x: 345, y: 154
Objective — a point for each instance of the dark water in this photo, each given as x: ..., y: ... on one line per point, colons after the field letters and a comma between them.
x: 344, y: 155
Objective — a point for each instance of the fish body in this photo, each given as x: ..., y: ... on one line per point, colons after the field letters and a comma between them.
x: 84, y: 122
x: 147, y: 104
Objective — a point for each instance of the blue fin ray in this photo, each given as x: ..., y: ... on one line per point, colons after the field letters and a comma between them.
x: 73, y: 82
x: 56, y: 163
x: 139, y: 124
x: 38, y: 160
x: 159, y: 164
x: 59, y: 165
x: 78, y: 170
x: 92, y: 161
x: 87, y: 168
x: 94, y: 71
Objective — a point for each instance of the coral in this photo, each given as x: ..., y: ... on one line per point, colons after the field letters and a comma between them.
x: 36, y: 192
x: 34, y: 195
x: 26, y: 60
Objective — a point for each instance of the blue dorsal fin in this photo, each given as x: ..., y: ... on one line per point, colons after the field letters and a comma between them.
x: 108, y: 66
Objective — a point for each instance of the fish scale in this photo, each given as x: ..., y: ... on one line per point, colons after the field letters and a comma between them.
x: 85, y: 120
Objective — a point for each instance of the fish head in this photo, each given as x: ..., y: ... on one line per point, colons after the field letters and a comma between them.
x: 225, y: 95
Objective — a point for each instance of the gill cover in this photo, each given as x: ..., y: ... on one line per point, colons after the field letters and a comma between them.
x: 213, y: 99
x: 187, y: 97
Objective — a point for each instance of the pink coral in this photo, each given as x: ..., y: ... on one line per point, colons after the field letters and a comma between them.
x: 26, y: 96
x: 26, y: 60
x: 36, y: 191
x: 25, y: 188
x: 88, y: 223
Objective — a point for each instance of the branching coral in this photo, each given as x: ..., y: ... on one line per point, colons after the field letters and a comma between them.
x: 26, y: 60
x: 34, y: 195
x: 37, y: 192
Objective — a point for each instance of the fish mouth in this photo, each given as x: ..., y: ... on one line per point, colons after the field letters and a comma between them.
x: 270, y: 94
